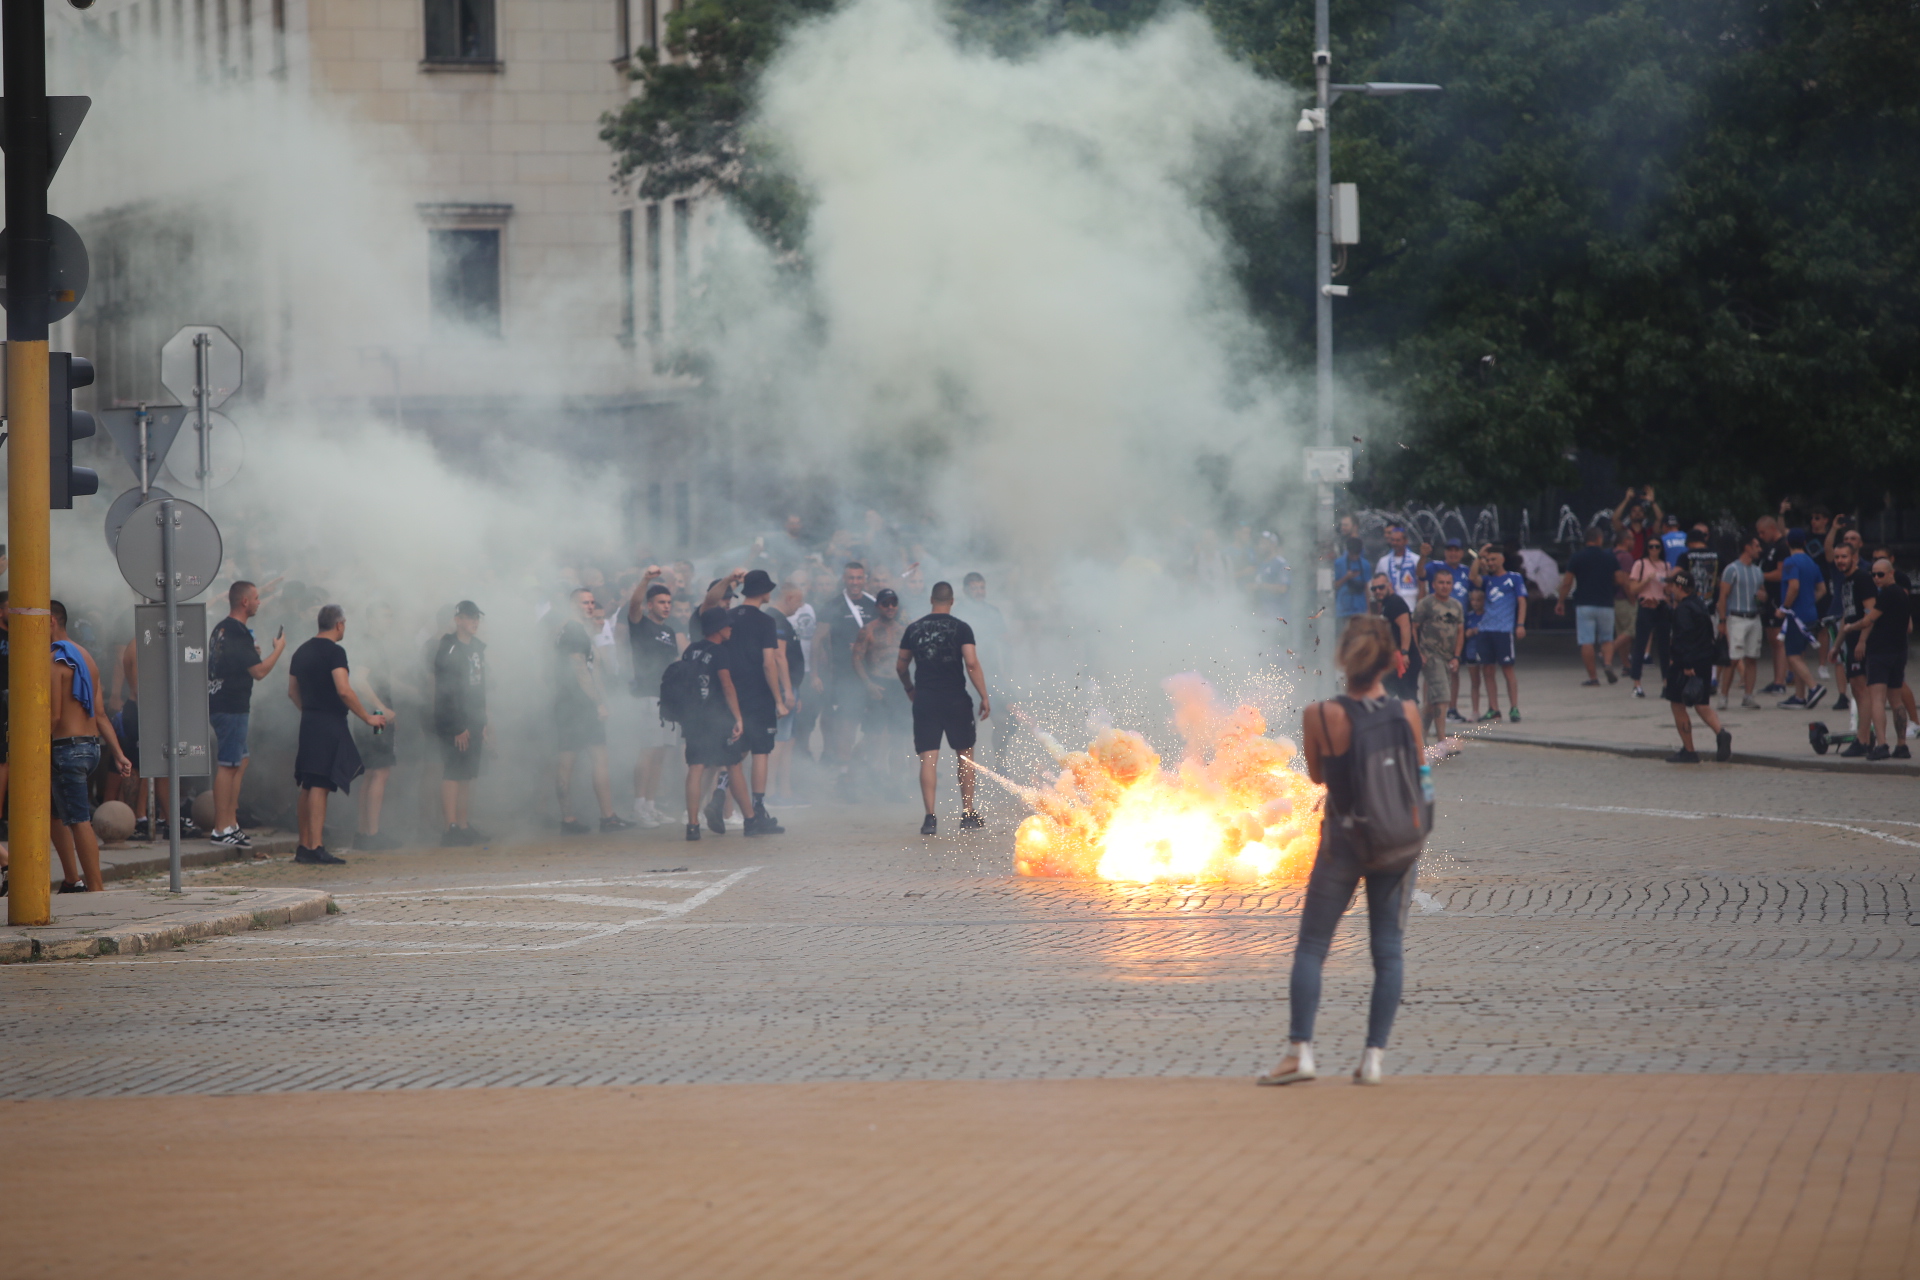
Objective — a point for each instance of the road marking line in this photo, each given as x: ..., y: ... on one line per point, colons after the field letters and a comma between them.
x: 1736, y: 817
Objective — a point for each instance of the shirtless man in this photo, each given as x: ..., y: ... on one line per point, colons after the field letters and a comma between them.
x: 888, y: 711
x: 80, y: 725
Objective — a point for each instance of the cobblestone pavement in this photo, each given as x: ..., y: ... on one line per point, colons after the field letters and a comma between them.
x: 1578, y: 913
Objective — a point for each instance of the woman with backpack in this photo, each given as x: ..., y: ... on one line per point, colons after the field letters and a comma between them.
x: 1365, y: 748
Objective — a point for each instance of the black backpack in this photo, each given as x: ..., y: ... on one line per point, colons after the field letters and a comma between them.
x: 683, y: 692
x: 1390, y: 815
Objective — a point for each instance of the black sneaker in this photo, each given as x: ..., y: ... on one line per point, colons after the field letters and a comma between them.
x: 317, y: 858
x: 233, y: 838
x: 1453, y: 714
x: 763, y: 825
x: 716, y: 812
x: 1843, y: 703
x: 471, y: 836
x: 574, y: 827
x: 453, y: 838
x: 930, y: 826
x: 190, y: 830
x: 1855, y: 749
x: 1723, y: 746
x: 971, y: 821
x: 1900, y: 752
x: 615, y: 823
x: 693, y: 831
x: 1611, y: 677
x: 1814, y: 695
x: 1881, y: 752
x: 142, y: 829
x: 1774, y: 687
x: 1684, y: 756
x: 72, y: 886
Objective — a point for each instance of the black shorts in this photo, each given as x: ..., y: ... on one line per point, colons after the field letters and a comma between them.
x: 1889, y: 669
x: 577, y: 727
x: 951, y: 716
x: 760, y: 723
x: 888, y: 712
x: 1675, y: 690
x: 707, y: 743
x: 1856, y: 667
x: 457, y: 765
x: 314, y: 782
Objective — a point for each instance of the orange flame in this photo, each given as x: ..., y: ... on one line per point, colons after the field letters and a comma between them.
x: 1235, y: 809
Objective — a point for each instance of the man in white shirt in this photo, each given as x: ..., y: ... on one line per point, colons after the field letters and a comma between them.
x: 1401, y: 564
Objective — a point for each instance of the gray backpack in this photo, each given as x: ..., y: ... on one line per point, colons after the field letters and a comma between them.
x: 1390, y: 814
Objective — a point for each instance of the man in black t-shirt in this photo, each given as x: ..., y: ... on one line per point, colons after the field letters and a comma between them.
x: 327, y: 761
x: 580, y: 713
x: 233, y: 665
x: 1883, y: 650
x: 762, y: 685
x: 841, y: 617
x: 1850, y: 593
x: 1390, y: 605
x: 654, y: 642
x: 713, y: 725
x: 939, y: 649
x: 1773, y: 555
x: 460, y: 719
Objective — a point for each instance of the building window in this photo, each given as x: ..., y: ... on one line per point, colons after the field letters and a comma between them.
x: 682, y: 260
x: 650, y: 23
x: 460, y: 31
x: 464, y: 278
x: 626, y: 278
x: 655, y: 320
x: 623, y: 29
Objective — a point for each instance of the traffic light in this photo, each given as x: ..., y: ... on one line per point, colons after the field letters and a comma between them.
x: 65, y: 424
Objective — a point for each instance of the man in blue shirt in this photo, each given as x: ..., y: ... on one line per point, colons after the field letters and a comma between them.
x: 1505, y: 618
x: 1350, y: 574
x: 1801, y: 583
x: 1672, y: 541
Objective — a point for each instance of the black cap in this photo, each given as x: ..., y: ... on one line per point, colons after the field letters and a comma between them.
x: 887, y: 596
x: 1681, y: 579
x: 467, y: 609
x: 714, y: 621
x: 759, y: 583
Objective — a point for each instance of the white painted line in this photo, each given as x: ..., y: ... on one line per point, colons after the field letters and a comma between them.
x: 1736, y: 817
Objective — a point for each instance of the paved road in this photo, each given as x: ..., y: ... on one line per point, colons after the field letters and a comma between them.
x: 1578, y: 914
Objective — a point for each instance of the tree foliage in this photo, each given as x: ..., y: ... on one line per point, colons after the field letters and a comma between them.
x: 1678, y: 233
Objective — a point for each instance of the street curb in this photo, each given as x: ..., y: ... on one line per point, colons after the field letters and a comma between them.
x: 279, y: 907
x: 207, y: 856
x: 1813, y: 764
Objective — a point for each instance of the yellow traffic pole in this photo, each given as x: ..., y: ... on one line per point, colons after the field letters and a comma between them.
x: 30, y: 636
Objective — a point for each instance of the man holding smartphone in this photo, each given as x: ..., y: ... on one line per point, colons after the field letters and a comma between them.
x: 233, y: 665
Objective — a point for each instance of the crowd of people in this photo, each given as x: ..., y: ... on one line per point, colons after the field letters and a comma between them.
x: 808, y: 650
x: 1800, y: 590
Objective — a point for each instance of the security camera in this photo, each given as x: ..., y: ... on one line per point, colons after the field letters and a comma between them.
x: 1310, y: 120
x: 81, y: 4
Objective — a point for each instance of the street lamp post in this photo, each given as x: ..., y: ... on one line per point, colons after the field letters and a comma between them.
x: 1315, y: 120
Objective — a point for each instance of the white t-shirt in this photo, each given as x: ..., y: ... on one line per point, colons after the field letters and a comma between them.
x: 1403, y: 572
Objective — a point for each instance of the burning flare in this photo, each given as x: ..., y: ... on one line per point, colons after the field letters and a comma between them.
x: 1235, y: 809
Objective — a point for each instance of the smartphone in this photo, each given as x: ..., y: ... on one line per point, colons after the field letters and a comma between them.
x: 280, y: 634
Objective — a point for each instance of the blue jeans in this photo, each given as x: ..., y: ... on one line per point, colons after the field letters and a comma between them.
x: 1329, y: 889
x: 73, y: 762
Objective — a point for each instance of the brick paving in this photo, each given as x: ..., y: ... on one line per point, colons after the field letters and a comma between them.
x: 1629, y: 932
x: 1694, y: 1176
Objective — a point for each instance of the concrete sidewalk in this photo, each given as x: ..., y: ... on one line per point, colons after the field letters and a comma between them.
x: 129, y: 921
x: 1557, y: 712
x: 1748, y: 1176
x: 130, y: 860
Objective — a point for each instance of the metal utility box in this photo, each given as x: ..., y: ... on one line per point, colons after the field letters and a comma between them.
x: 1346, y: 213
x: 189, y: 652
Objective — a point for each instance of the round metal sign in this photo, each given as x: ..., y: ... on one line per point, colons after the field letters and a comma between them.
x: 197, y: 551
x: 226, y: 451
x: 67, y: 269
x: 124, y: 506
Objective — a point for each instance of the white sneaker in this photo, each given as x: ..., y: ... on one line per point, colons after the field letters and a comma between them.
x: 644, y: 815
x: 1296, y: 1067
x: 1373, y: 1066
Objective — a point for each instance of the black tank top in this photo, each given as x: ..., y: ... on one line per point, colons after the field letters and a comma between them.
x: 1334, y: 768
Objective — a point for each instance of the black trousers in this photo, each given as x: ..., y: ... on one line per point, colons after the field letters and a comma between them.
x: 1650, y: 628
